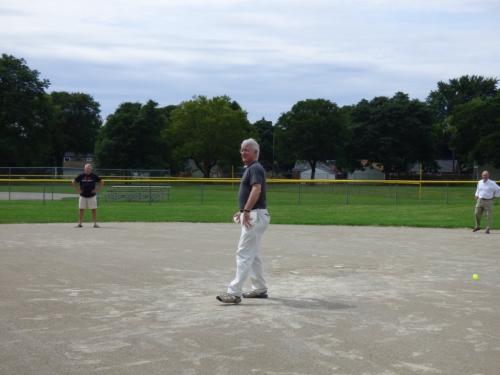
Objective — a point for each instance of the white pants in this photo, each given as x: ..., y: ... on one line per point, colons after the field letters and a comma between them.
x: 248, y: 261
x: 89, y: 203
x: 484, y: 205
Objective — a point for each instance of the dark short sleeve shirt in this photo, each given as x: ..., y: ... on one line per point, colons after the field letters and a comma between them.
x: 87, y: 184
x: 254, y: 174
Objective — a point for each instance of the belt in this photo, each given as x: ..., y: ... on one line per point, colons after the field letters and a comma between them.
x: 486, y: 199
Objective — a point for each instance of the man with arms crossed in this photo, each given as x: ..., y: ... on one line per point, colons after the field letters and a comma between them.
x: 254, y: 219
x: 485, y: 195
x: 87, y: 189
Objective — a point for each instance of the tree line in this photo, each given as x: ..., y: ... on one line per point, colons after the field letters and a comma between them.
x: 459, y: 120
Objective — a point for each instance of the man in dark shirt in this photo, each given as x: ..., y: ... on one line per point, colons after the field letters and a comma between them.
x: 254, y: 219
x: 87, y: 185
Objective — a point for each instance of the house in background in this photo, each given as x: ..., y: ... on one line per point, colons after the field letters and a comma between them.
x: 328, y: 171
x: 192, y: 170
x: 324, y: 170
x: 73, y: 162
x: 373, y: 171
x: 444, y: 167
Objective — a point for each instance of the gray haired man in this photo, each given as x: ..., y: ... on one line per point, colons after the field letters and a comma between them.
x: 87, y: 184
x: 254, y: 219
x: 486, y: 192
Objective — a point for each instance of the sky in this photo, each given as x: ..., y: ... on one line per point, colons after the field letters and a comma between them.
x: 266, y: 55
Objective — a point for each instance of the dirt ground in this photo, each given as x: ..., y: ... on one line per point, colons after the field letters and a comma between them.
x: 139, y: 298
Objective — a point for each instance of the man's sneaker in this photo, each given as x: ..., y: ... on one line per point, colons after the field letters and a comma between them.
x: 228, y: 298
x: 96, y: 226
x: 255, y: 294
x: 487, y: 231
x: 476, y: 229
x: 79, y: 225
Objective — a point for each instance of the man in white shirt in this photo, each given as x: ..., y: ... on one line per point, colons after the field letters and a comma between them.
x: 486, y: 192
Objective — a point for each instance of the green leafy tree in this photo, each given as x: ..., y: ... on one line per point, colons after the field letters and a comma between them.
x: 477, y: 135
x: 265, y: 137
x: 75, y: 124
x: 393, y: 131
x: 313, y: 130
x: 459, y: 91
x: 131, y: 138
x: 209, y: 131
x: 24, y: 114
x: 447, y: 97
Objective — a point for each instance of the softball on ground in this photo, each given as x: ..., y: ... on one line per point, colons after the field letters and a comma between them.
x: 475, y: 276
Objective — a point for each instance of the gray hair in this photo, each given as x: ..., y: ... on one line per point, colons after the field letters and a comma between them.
x: 253, y: 144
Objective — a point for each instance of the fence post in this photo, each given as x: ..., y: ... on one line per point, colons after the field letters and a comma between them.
x: 346, y: 193
x: 52, y: 191
x: 396, y: 193
x: 150, y: 196
x: 446, y: 193
x: 300, y: 188
x: 44, y: 188
x: 10, y: 182
x: 201, y: 193
x: 232, y: 176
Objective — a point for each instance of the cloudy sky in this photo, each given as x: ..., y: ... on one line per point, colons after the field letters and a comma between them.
x: 266, y: 54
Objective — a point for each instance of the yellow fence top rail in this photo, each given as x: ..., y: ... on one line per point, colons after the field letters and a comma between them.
x: 236, y: 180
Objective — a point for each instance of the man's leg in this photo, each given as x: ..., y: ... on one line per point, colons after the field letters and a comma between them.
x: 247, y: 249
x: 257, y: 271
x: 80, y: 219
x: 257, y: 275
x: 488, y: 207
x: 93, y: 206
x: 81, y: 207
x: 478, y: 214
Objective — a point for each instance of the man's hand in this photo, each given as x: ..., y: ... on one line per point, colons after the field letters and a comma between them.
x: 247, y: 220
x: 76, y: 186
x: 236, y: 217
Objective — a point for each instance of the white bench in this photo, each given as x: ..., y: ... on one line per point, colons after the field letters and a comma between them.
x: 138, y: 193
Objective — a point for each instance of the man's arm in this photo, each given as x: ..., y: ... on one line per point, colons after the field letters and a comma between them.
x: 250, y: 203
x: 77, y: 187
x: 100, y: 185
x: 253, y: 197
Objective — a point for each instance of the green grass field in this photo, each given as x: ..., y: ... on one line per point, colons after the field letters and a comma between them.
x: 432, y: 206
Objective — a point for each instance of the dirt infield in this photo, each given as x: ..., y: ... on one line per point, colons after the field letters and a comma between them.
x: 139, y: 298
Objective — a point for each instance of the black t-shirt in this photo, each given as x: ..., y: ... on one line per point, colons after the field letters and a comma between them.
x: 254, y: 174
x: 87, y: 184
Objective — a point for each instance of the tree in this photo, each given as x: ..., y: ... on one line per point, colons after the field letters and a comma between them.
x: 393, y: 131
x: 209, y: 131
x: 459, y: 91
x: 477, y: 130
x: 75, y: 124
x: 313, y: 130
x: 24, y: 114
x: 131, y: 138
x: 447, y: 97
x: 265, y: 136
